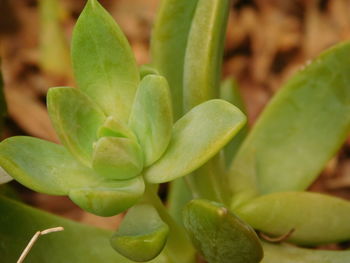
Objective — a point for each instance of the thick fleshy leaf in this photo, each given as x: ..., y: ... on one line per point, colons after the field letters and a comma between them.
x: 110, y: 198
x: 292, y: 254
x: 315, y: 218
x: 117, y: 158
x: 44, y: 166
x: 103, y: 62
x: 204, y: 52
x: 76, y: 119
x: 151, y: 117
x: 77, y: 243
x: 142, y: 234
x: 219, y: 235
x: 115, y: 128
x: 299, y: 131
x: 168, y: 43
x: 196, y: 137
x: 229, y: 91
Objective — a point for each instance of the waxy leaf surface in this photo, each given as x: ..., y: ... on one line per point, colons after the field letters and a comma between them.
x: 110, y: 198
x: 103, y: 63
x: 299, y: 131
x: 315, y: 218
x: 76, y: 119
x: 117, y: 158
x: 204, y: 52
x: 78, y: 243
x: 142, y: 234
x: 219, y: 235
x: 292, y: 254
x: 151, y: 117
x: 49, y: 168
x: 168, y: 45
x: 44, y: 166
x: 196, y: 137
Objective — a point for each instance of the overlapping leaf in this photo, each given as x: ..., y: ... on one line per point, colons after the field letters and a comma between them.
x: 49, y: 168
x: 315, y: 218
x: 76, y: 119
x: 151, y: 117
x: 299, y: 131
x: 168, y: 45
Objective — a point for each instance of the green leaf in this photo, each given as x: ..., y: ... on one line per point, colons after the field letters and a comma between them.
x: 49, y: 168
x: 168, y: 43
x: 196, y: 137
x: 110, y: 198
x: 204, y: 52
x: 115, y: 128
x: 117, y: 158
x: 292, y: 254
x: 316, y: 218
x: 103, y: 62
x: 77, y: 243
x: 44, y: 166
x: 76, y: 119
x: 142, y: 234
x: 229, y: 91
x: 151, y: 117
x: 299, y: 131
x: 219, y: 235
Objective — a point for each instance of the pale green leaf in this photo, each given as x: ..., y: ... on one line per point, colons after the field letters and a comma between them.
x: 49, y: 168
x: 315, y: 218
x: 151, y: 117
x: 103, y: 62
x: 109, y: 198
x: 204, y: 52
x: 196, y: 137
x: 117, y: 158
x: 219, y: 235
x: 142, y: 234
x: 44, y: 166
x: 299, y: 131
x: 76, y: 119
x: 168, y: 45
x: 292, y: 254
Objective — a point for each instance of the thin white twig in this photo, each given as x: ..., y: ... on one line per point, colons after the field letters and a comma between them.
x: 35, y: 238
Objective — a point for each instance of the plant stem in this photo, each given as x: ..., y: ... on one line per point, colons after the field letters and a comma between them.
x: 179, y: 248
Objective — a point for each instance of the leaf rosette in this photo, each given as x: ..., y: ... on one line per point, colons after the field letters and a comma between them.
x: 116, y: 129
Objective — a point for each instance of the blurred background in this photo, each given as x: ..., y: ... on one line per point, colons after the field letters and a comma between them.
x: 267, y: 41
